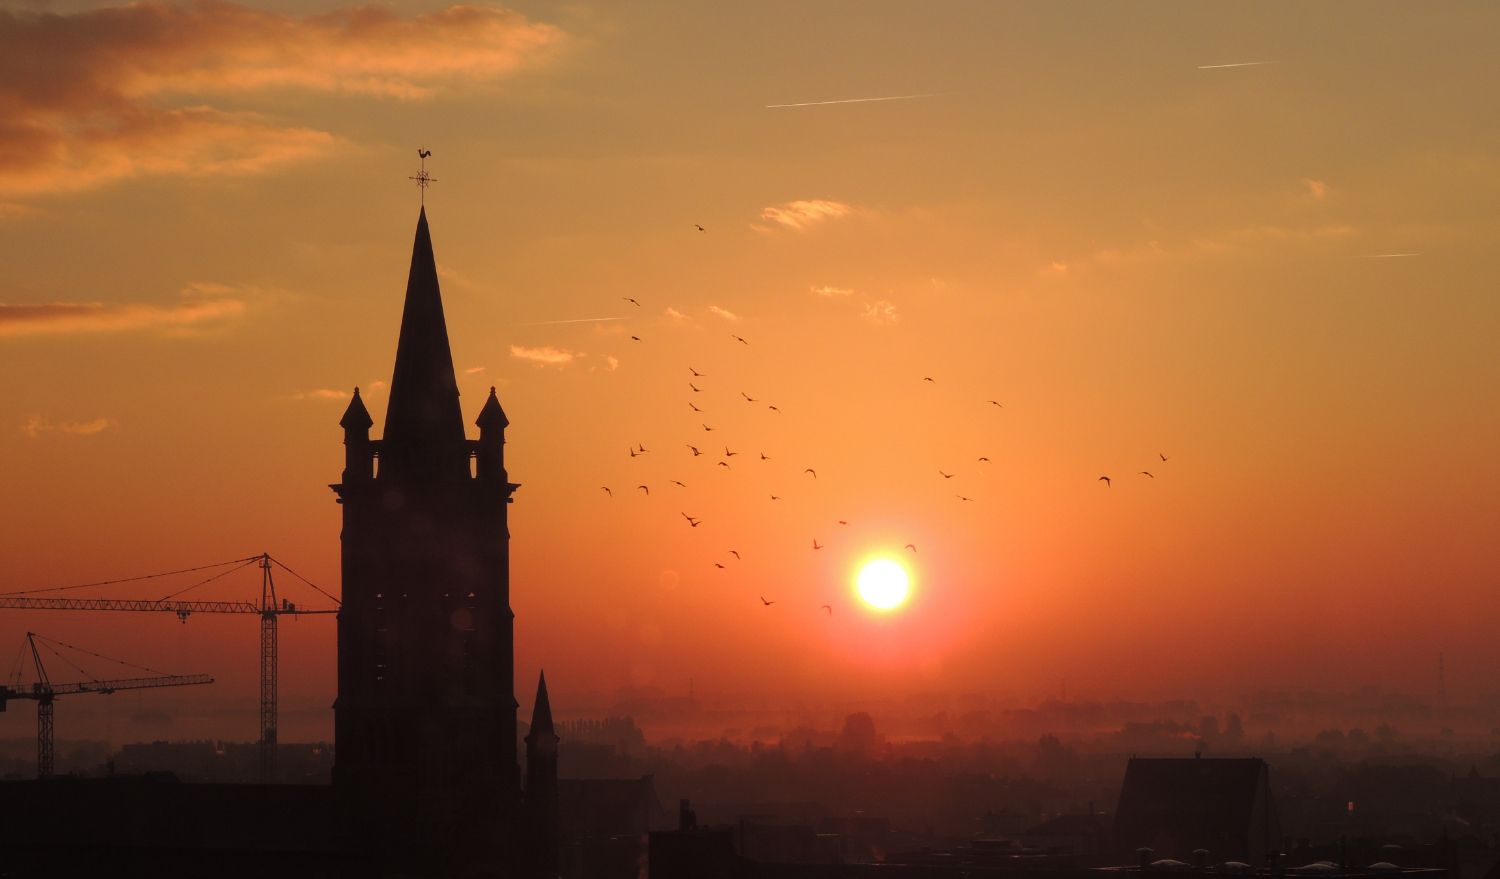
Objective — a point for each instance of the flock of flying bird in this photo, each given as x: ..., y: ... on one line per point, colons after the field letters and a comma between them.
x: 638, y: 450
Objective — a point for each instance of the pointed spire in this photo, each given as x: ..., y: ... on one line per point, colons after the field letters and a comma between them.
x: 423, y: 422
x: 356, y: 417
x: 491, y: 416
x: 541, y: 712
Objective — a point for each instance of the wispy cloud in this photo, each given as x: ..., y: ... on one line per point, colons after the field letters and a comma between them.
x: 855, y: 100
x: 675, y: 315
x: 322, y: 394
x: 544, y: 356
x: 881, y: 312
x: 1317, y: 189
x: 36, y: 425
x: 574, y: 320
x: 831, y: 291
x: 102, y: 95
x: 1386, y: 255
x: 474, y: 370
x: 1234, y: 64
x: 802, y: 214
x: 199, y: 305
x: 723, y: 312
x: 612, y: 362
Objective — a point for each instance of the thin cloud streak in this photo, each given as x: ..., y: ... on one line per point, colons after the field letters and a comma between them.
x: 1385, y: 255
x: 1235, y: 64
x: 856, y: 100
x: 576, y: 320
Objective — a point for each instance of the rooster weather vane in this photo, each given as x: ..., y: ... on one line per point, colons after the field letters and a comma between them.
x: 422, y: 178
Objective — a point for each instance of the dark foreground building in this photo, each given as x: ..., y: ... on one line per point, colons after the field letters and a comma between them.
x: 426, y: 778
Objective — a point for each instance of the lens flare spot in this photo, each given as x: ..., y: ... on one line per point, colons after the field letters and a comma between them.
x: 883, y: 584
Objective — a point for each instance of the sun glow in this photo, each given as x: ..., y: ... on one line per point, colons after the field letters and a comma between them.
x: 883, y: 584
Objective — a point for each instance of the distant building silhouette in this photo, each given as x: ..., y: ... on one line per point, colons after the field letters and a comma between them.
x: 1175, y: 806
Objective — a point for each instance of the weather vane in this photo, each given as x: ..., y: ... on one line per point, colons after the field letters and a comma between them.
x: 422, y: 178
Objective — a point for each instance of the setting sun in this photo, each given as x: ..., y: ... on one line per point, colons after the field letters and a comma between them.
x: 883, y: 584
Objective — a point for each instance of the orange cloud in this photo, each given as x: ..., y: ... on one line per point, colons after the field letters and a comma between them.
x: 804, y: 213
x: 881, y: 312
x: 1315, y: 188
x: 200, y: 305
x: 723, y: 312
x: 109, y: 94
x: 36, y: 425
x: 544, y: 356
x: 825, y: 290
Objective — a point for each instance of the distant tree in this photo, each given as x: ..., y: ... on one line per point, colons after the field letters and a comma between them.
x: 858, y: 735
x: 1385, y: 734
x: 1234, y: 729
x: 1332, y: 739
x: 1359, y: 737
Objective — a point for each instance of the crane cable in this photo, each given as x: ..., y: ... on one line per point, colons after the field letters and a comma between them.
x: 131, y: 579
x: 48, y: 642
x: 319, y: 589
x: 210, y: 579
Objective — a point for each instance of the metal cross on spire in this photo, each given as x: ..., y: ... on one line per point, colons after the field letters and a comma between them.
x: 422, y: 178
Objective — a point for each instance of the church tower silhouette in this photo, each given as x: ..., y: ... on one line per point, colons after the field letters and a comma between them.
x: 425, y: 720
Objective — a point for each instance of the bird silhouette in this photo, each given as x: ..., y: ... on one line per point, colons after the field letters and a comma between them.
x: 646, y: 489
x: 641, y: 448
x: 994, y: 403
x: 774, y: 409
x: 679, y: 483
x: 635, y: 338
x: 691, y: 521
x: 827, y: 607
x: 763, y: 601
x: 724, y: 464
x: 719, y: 566
x: 728, y: 453
x: 422, y: 154
x: 694, y: 407
x: 928, y: 378
x: 1106, y: 480
x: 912, y: 547
x: 1148, y: 473
x: 748, y: 397
x: 816, y: 544
x: 775, y: 497
x: 631, y: 301
x: 699, y: 228
x: 696, y: 373
x: 706, y: 427
x: 739, y: 339
x: 812, y: 471
x: 764, y: 456
x: 696, y: 389
x: 734, y: 553
x: 984, y: 460
x: 696, y: 453
x: 963, y: 498
x: 842, y: 522
x: 946, y: 475
x: 606, y: 490
x: 1160, y: 455
x: 633, y: 452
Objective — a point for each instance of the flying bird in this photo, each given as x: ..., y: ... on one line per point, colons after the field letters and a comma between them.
x: 696, y: 389
x: 928, y: 378
x: 696, y: 373
x: 695, y: 408
x: 842, y: 522
x: 728, y: 453
x: 641, y: 448
x: 1106, y: 481
x: 633, y: 452
x: 912, y: 547
x: 775, y: 497
x: 422, y: 154
x: 748, y: 397
x: 734, y: 553
x: 812, y: 471
x: 764, y: 456
x: 774, y: 409
x: 1160, y: 455
x: 827, y: 607
x: 724, y: 464
x: 984, y: 460
x: 719, y: 566
x: 962, y: 498
x: 945, y: 475
x: 994, y: 403
x: 691, y: 521
x: 635, y: 338
x: 739, y: 339
x: 631, y: 301
x: 696, y: 453
x: 766, y: 603
x: 606, y: 490
x: 1148, y: 473
x: 699, y: 228
x: 706, y: 427
x: 679, y: 484
x: 816, y: 544
x: 646, y: 489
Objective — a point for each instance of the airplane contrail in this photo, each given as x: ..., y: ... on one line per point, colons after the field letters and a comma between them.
x: 858, y: 100
x: 1236, y: 64
x: 1386, y: 255
x: 577, y: 320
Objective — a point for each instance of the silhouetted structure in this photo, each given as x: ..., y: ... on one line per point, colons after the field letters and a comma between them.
x: 541, y: 785
x: 1175, y: 806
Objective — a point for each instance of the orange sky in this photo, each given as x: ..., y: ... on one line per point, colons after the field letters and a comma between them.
x: 1280, y: 275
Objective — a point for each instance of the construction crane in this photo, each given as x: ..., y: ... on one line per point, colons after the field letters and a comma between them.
x: 269, y: 610
x: 45, y: 693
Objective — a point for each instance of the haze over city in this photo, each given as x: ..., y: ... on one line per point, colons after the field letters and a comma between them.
x: 975, y: 256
